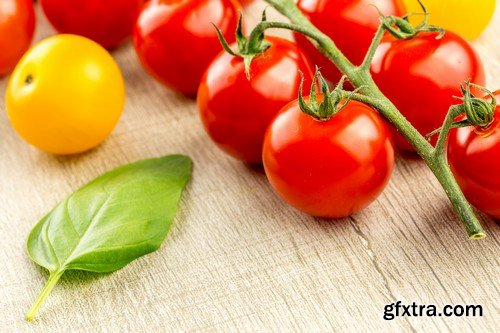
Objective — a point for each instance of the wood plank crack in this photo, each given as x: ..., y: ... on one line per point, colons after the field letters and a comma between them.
x: 373, y: 259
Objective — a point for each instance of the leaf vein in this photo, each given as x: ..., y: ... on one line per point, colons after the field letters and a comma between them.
x: 92, y: 221
x: 51, y: 247
x: 68, y: 216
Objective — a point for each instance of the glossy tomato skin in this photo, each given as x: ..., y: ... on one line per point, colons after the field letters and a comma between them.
x: 422, y: 75
x: 464, y: 17
x: 331, y: 168
x: 107, y: 22
x: 65, y: 95
x: 474, y: 158
x: 175, y: 40
x: 236, y: 111
x: 17, y: 26
x: 350, y: 23
x: 245, y: 2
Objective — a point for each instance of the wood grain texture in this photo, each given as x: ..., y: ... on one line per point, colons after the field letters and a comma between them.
x: 238, y: 259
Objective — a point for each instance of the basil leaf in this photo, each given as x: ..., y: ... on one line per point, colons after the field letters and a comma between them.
x: 118, y: 217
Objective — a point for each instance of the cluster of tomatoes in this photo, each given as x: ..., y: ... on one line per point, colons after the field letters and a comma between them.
x: 329, y: 167
x: 335, y: 167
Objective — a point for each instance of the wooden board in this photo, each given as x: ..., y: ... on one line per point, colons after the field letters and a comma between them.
x: 238, y: 259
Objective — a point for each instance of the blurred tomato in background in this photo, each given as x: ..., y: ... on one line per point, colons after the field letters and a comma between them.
x: 468, y: 18
x: 351, y: 24
x: 17, y: 26
x: 107, y: 22
x: 176, y: 41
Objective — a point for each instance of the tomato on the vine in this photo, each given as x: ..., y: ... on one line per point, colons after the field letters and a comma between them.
x: 176, y: 41
x: 237, y: 110
x: 107, y: 22
x: 467, y: 18
x: 351, y: 24
x: 17, y: 26
x: 331, y: 168
x: 422, y: 75
x: 474, y: 157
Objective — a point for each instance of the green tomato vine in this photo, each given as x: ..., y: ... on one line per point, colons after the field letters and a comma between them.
x: 368, y: 92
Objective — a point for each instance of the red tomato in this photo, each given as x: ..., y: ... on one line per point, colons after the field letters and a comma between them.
x: 236, y: 111
x: 245, y: 2
x: 176, y: 41
x: 330, y: 168
x: 17, y: 26
x: 107, y: 22
x: 350, y: 23
x: 474, y: 157
x: 421, y: 75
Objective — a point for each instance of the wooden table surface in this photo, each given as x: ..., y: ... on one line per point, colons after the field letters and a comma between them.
x: 238, y: 258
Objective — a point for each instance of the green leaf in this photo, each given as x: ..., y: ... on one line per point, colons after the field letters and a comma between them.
x: 118, y: 217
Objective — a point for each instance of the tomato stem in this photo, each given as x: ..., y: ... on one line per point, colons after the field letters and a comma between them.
x: 464, y: 210
x: 360, y: 77
x: 365, y: 66
x: 454, y: 112
x: 478, y: 111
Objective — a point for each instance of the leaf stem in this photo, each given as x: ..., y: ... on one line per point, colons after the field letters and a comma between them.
x: 49, y: 285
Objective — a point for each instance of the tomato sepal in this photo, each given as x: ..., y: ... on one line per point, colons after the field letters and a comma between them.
x: 331, y: 102
x: 478, y: 112
x: 248, y: 48
x: 401, y: 28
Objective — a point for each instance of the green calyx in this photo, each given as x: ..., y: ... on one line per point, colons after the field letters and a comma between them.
x: 400, y: 27
x: 248, y: 48
x: 331, y: 104
x: 479, y: 112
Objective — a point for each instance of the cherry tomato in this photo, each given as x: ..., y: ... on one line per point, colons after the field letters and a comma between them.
x: 422, y: 75
x: 65, y: 95
x: 350, y: 23
x: 107, y: 22
x: 465, y: 17
x: 330, y: 168
x: 236, y: 111
x: 175, y: 40
x: 17, y: 26
x: 474, y: 157
x: 245, y: 2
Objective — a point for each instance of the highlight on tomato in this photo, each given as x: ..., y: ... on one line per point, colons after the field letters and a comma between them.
x: 474, y: 158
x: 351, y: 24
x: 17, y: 27
x: 467, y: 18
x: 421, y: 76
x: 66, y: 95
x: 176, y: 41
x: 237, y: 108
x: 328, y: 160
x: 107, y: 22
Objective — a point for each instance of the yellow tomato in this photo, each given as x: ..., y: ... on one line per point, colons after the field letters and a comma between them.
x: 65, y: 95
x: 467, y: 18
